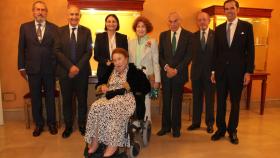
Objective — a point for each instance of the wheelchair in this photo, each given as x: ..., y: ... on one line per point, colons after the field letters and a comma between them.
x: 138, y: 133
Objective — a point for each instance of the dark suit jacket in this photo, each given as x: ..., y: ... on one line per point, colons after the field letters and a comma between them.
x: 239, y: 57
x: 84, y: 51
x: 101, y: 50
x: 33, y: 56
x: 202, y: 60
x: 182, y: 57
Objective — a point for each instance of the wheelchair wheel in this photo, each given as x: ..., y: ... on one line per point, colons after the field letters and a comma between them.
x: 134, y: 150
x: 147, y: 131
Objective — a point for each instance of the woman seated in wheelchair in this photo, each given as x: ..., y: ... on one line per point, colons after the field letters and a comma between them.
x: 109, y: 115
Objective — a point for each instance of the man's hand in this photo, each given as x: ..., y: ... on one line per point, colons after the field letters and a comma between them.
x: 23, y: 74
x: 74, y: 70
x: 247, y: 79
x: 213, y: 80
x: 171, y: 72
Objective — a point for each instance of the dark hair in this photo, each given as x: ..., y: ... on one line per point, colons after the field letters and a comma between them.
x: 228, y: 1
x: 116, y: 18
x: 33, y: 5
x: 147, y: 23
x: 120, y: 51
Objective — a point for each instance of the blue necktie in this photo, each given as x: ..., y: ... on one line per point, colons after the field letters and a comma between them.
x: 73, y: 46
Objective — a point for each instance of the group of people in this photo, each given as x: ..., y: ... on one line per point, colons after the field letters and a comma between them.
x: 129, y: 69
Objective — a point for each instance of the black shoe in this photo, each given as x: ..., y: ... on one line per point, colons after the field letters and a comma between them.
x: 37, y: 131
x: 82, y: 130
x: 163, y: 132
x: 67, y: 132
x: 53, y: 129
x: 176, y: 134
x: 218, y: 135
x: 193, y: 127
x: 210, y: 129
x: 233, y: 138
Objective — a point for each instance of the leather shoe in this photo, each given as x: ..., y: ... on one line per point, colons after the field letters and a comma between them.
x: 53, y: 129
x: 210, y: 129
x: 67, y: 132
x: 37, y: 131
x: 218, y: 135
x: 233, y: 138
x: 193, y: 127
x: 82, y: 130
x: 163, y: 132
x: 176, y: 134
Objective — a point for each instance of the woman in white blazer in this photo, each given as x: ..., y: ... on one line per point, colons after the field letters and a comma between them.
x: 143, y: 52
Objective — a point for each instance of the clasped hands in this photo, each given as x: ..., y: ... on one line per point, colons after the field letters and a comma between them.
x: 246, y: 80
x: 73, y: 71
x: 170, y: 72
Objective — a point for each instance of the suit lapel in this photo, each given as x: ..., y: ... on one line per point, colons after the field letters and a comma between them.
x: 168, y: 42
x: 46, y: 33
x: 209, y: 40
x: 106, y: 42
x: 79, y: 36
x: 179, y: 44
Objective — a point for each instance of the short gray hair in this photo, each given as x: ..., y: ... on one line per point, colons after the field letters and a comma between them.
x: 33, y: 5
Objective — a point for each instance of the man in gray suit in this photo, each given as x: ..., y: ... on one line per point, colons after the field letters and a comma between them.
x: 174, y: 58
x: 202, y: 48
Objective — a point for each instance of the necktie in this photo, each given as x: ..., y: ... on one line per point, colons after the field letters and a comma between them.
x: 39, y: 32
x: 228, y: 33
x: 202, y: 41
x: 173, y: 42
x: 73, y: 46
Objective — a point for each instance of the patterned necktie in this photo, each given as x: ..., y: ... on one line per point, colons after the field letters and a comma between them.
x: 203, y: 41
x: 73, y: 46
x: 173, y: 42
x: 228, y: 33
x: 39, y: 32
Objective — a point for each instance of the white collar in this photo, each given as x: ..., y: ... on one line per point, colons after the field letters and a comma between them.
x: 178, y: 31
x: 206, y: 31
x: 234, y: 22
x: 42, y: 23
x: 71, y: 27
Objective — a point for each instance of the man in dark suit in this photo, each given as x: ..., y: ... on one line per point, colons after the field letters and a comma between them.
x: 36, y: 63
x: 202, y: 47
x: 232, y: 65
x: 174, y: 58
x: 73, y: 54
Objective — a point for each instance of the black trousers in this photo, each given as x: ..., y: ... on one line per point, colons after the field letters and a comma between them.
x: 172, y: 91
x: 203, y: 89
x: 71, y: 87
x: 228, y: 84
x: 37, y: 82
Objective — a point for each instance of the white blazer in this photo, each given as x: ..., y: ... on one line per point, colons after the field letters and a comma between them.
x: 149, y: 57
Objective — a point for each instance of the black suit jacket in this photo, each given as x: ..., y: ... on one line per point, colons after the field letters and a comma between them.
x: 33, y: 56
x: 84, y: 51
x: 182, y: 57
x: 239, y: 57
x: 202, y: 60
x: 101, y: 50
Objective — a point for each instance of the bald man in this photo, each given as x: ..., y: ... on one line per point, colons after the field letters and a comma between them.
x: 73, y: 54
x: 202, y: 48
x: 174, y: 58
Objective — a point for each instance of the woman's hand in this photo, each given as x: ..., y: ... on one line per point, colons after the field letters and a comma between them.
x: 104, y: 89
x: 156, y: 85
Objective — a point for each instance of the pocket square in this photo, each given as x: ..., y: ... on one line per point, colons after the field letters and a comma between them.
x: 242, y: 33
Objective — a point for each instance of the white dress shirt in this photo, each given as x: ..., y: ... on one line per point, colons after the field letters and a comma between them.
x: 43, y: 27
x: 232, y: 28
x: 112, y: 44
x: 75, y: 31
x: 205, y: 35
x: 178, y: 32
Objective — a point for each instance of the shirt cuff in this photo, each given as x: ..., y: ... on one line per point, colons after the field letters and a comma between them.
x: 21, y: 70
x: 164, y: 68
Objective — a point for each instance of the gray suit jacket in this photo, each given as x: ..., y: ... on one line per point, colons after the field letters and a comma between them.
x: 182, y: 57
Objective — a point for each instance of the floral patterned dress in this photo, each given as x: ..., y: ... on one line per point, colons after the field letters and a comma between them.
x: 107, y: 119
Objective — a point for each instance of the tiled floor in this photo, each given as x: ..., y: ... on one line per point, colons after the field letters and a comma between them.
x: 259, y: 137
